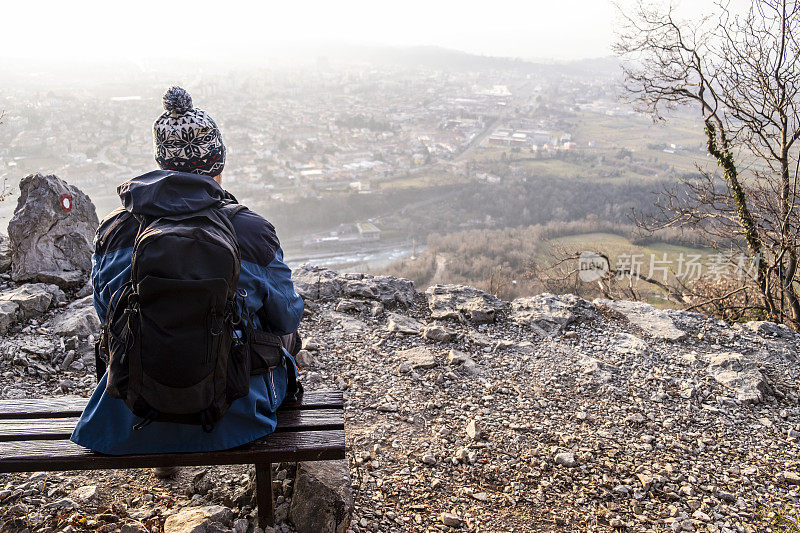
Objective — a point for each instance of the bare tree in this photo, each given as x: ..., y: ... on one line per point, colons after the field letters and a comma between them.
x: 741, y: 71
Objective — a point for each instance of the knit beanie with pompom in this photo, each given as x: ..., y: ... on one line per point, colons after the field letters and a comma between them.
x: 186, y: 138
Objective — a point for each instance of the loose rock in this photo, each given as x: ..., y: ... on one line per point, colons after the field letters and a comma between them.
x: 451, y: 520
x: 549, y: 312
x: 438, y: 333
x: 402, y: 324
x: 419, y: 357
x: 209, y: 519
x: 739, y: 374
x: 455, y: 301
x: 79, y: 319
x: 566, y: 459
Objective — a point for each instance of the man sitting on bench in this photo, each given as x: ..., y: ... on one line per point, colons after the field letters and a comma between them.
x: 194, y: 295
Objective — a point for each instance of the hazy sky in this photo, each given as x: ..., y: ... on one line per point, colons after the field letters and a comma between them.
x: 103, y: 29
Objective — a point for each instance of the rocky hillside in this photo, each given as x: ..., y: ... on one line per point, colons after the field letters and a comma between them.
x: 466, y: 413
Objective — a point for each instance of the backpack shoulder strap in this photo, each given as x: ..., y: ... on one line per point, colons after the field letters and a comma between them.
x: 122, y: 217
x: 231, y: 208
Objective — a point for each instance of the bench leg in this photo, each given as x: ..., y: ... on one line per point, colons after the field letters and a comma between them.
x: 266, y: 513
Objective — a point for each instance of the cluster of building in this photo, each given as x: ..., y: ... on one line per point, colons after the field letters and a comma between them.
x: 532, y: 139
x: 291, y: 134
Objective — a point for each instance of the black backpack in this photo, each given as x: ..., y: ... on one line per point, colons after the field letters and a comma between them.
x: 172, y: 333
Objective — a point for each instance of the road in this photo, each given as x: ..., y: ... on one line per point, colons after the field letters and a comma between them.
x: 478, y: 139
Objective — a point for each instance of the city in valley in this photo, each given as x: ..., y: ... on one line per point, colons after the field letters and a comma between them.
x: 355, y: 159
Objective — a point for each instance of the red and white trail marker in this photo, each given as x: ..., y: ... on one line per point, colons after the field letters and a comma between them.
x: 66, y: 202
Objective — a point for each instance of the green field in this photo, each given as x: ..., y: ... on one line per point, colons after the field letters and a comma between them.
x: 429, y: 178
x: 634, y: 130
x: 623, y: 147
x: 635, y: 133
x: 616, y: 244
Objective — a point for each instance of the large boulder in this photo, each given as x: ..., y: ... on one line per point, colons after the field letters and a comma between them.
x: 462, y: 301
x: 740, y: 375
x: 655, y: 322
x: 550, y: 312
x: 319, y: 283
x: 51, y: 232
x: 322, y: 501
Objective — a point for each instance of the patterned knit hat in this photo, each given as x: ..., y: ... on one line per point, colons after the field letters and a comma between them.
x: 187, y: 139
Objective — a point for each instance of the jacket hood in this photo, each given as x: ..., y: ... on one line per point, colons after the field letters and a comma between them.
x: 165, y: 192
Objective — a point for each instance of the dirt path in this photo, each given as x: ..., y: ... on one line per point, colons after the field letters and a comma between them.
x: 441, y: 265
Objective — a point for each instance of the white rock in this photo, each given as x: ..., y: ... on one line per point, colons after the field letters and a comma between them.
x: 77, y: 320
x: 474, y: 430
x: 625, y: 343
x: 32, y: 299
x: 456, y: 357
x: 350, y: 325
x: 655, y: 322
x: 209, y: 519
x: 64, y: 503
x: 456, y: 301
x: 419, y: 357
x: 305, y: 359
x: 428, y: 459
x: 320, y: 283
x: 311, y: 345
x: 85, y: 493
x: 550, y: 312
x: 739, y: 374
x: 438, y: 333
x: 403, y: 324
x: 791, y: 477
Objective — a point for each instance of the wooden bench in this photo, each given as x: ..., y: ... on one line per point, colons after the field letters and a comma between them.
x: 34, y: 437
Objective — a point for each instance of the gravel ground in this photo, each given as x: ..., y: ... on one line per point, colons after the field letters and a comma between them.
x: 577, y: 420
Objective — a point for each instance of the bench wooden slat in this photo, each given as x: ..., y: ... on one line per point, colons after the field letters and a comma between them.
x: 42, y: 407
x: 61, y: 428
x: 71, y: 406
x: 33, y: 456
x: 324, y: 399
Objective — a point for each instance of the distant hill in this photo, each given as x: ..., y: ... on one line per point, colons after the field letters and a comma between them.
x: 439, y: 58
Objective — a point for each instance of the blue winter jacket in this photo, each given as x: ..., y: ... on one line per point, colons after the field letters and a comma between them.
x: 107, y: 424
